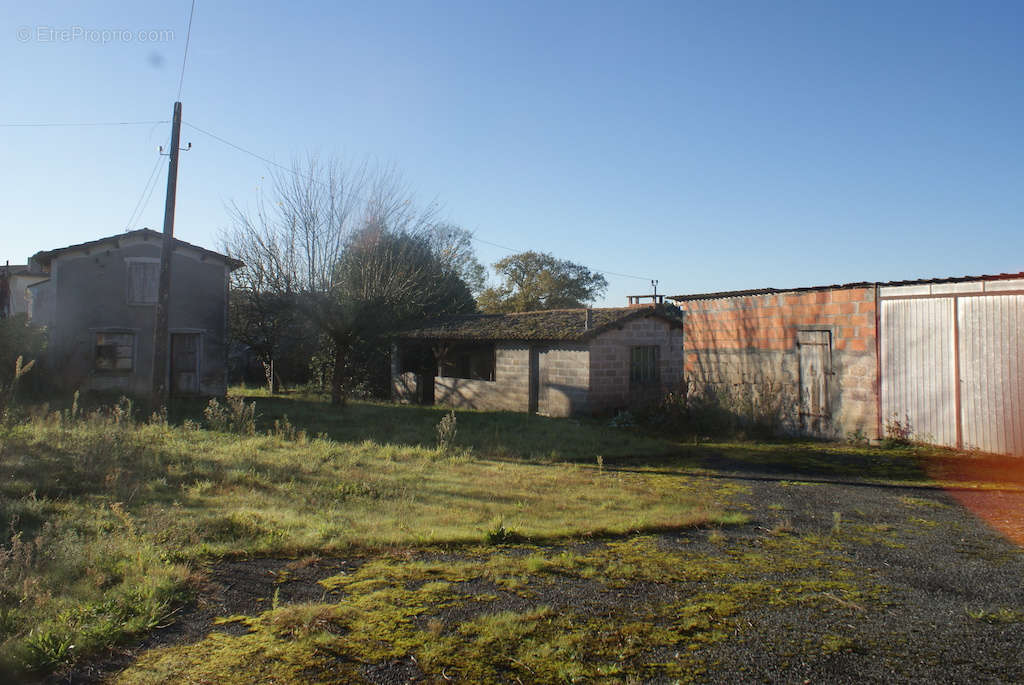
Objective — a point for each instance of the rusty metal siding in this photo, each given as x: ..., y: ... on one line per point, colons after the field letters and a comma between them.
x: 918, y: 366
x: 992, y: 372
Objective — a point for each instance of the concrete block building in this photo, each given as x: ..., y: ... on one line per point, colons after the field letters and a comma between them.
x: 556, y: 363
x: 98, y: 302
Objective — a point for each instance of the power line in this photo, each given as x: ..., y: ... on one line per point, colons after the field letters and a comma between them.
x: 145, y: 189
x: 248, y: 152
x: 87, y: 123
x: 188, y: 38
x: 310, y: 178
x: 145, y: 205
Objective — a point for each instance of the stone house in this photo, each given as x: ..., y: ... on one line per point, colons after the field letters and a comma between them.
x: 98, y: 302
x: 556, y: 363
x: 943, y: 355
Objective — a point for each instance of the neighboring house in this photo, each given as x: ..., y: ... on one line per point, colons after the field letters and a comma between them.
x: 557, y: 363
x: 99, y: 304
x: 944, y: 353
x: 15, y: 280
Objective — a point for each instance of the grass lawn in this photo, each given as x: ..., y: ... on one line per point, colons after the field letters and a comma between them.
x: 108, y: 519
x: 114, y: 525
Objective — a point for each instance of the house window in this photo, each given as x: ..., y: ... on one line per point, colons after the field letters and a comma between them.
x: 143, y: 280
x: 114, y: 351
x: 643, y: 365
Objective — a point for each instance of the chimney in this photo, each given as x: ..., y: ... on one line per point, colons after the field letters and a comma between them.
x: 637, y: 300
x: 588, y: 319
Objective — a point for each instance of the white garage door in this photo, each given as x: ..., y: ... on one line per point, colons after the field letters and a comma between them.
x: 918, y: 367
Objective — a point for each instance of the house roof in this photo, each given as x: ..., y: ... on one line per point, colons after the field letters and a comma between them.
x: 20, y: 270
x: 841, y: 286
x: 568, y: 325
x: 45, y: 256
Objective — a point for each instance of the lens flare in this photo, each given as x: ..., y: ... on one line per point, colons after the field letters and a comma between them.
x: 989, y: 486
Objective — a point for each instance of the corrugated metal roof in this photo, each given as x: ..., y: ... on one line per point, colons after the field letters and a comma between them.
x: 840, y: 286
x: 147, y: 233
x: 552, y: 324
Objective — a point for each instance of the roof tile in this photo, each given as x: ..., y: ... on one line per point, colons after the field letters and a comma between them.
x: 553, y: 324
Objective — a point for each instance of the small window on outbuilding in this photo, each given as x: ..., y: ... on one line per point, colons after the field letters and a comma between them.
x: 643, y: 365
x: 114, y: 351
x: 474, y: 362
x: 143, y: 280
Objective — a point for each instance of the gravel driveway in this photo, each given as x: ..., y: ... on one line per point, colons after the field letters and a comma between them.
x: 833, y: 579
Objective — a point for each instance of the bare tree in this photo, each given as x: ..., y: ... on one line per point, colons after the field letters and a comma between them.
x: 454, y: 245
x: 350, y: 247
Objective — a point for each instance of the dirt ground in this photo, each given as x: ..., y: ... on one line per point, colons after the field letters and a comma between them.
x: 884, y: 583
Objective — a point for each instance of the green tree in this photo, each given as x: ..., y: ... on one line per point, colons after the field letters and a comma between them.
x: 273, y: 327
x: 536, y: 280
x: 353, y: 251
x: 385, y: 281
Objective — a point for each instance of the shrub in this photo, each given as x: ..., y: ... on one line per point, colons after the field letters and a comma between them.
x: 744, y: 410
x: 18, y: 339
x: 898, y: 432
x: 446, y: 431
x: 8, y: 391
x: 498, y: 534
x: 235, y: 416
x: 857, y: 437
x: 286, y: 430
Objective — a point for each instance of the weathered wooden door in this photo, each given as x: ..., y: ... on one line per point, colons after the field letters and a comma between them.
x: 815, y: 368
x: 185, y: 363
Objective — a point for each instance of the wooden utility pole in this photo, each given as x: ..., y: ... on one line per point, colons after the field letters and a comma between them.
x: 161, y: 339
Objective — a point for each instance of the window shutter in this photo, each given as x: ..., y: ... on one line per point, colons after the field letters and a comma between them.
x: 143, y: 282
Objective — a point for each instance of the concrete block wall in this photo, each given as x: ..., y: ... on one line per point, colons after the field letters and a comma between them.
x: 509, y: 391
x: 564, y: 380
x: 610, y: 386
x: 749, y: 342
x: 404, y: 386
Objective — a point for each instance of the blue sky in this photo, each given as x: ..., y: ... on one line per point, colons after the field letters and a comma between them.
x: 710, y: 145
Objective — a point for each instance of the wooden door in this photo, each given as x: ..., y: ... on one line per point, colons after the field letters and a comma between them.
x: 534, y: 382
x: 815, y: 368
x: 185, y: 363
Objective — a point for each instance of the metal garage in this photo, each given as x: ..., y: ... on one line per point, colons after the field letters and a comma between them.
x: 952, y: 361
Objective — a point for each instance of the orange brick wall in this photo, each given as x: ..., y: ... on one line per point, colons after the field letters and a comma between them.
x: 769, y: 322
x: 746, y: 339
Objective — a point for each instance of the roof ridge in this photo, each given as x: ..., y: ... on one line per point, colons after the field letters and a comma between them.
x: 49, y: 254
x: 543, y: 324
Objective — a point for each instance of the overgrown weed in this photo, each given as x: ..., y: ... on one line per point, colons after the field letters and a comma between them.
x: 107, y: 511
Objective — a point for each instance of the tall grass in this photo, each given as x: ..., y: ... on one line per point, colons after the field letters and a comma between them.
x: 104, y: 516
